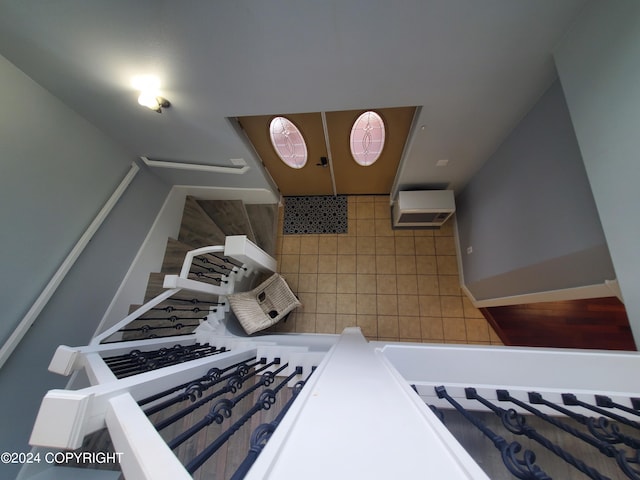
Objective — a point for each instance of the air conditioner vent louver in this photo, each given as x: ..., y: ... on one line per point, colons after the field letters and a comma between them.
x: 428, y: 208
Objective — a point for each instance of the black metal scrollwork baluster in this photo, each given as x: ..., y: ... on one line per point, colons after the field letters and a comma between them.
x: 523, y: 468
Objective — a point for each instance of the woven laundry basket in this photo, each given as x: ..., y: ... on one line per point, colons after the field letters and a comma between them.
x: 265, y: 305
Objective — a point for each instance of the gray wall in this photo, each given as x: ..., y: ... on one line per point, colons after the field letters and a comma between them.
x: 598, y: 63
x: 57, y: 171
x: 529, y: 213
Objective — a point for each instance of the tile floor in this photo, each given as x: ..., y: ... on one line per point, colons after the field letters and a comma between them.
x: 396, y: 285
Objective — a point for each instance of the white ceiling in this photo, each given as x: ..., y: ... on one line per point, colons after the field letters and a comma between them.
x: 475, y: 67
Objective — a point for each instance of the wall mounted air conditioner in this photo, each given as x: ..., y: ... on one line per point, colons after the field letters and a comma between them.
x: 425, y: 208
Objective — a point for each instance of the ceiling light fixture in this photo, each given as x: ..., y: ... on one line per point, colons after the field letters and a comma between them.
x: 153, y: 102
x: 149, y: 87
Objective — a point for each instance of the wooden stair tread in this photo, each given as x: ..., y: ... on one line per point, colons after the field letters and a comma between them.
x: 230, y: 215
x: 264, y: 221
x: 197, y: 228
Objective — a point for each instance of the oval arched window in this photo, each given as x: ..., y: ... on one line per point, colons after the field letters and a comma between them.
x: 367, y: 138
x: 288, y: 142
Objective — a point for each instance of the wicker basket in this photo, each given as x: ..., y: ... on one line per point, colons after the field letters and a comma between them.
x: 265, y: 305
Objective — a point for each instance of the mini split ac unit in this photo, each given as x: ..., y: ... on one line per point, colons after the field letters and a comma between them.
x: 426, y: 208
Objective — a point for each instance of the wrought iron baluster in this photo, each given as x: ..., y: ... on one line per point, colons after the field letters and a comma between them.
x: 504, y: 396
x: 213, y: 374
x: 571, y: 400
x: 601, y: 430
x: 263, y: 432
x: 266, y: 400
x: 607, y: 402
x: 194, y: 389
x: 195, y: 301
x: 235, y: 381
x: 523, y: 468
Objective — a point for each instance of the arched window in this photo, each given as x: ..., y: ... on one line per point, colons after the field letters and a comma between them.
x: 288, y: 142
x: 367, y: 138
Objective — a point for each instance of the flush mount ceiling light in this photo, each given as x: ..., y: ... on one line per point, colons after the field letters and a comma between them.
x: 149, y: 87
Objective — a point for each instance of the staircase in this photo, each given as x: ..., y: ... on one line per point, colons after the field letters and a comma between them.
x: 203, y: 402
x: 204, y: 223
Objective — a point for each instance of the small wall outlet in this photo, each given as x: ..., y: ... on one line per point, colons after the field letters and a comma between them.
x: 469, y: 250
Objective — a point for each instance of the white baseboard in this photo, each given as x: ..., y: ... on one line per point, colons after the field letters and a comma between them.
x: 609, y: 288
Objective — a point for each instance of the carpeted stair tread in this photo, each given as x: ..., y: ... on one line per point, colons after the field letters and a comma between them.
x: 197, y: 228
x: 230, y: 215
x: 264, y: 221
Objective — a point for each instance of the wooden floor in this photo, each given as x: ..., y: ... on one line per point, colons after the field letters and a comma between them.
x: 596, y: 323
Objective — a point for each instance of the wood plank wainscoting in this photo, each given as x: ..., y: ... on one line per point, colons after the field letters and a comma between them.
x: 598, y: 323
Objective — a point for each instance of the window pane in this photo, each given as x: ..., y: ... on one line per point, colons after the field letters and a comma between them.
x: 367, y: 138
x: 288, y: 142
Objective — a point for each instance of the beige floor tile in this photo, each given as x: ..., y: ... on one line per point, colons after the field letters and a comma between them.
x: 365, y: 227
x: 385, y: 264
x: 454, y: 329
x: 309, y: 244
x: 345, y: 321
x: 427, y: 264
x: 423, y: 232
x: 383, y: 227
x: 292, y: 280
x: 346, y: 245
x: 449, y: 285
x: 381, y: 199
x: 308, y: 264
x: 386, y: 284
x: 469, y: 310
x: 352, y: 212
x: 403, y: 232
x: 407, y: 284
x: 346, y: 283
x: 477, y: 330
x: 328, y: 244
x: 388, y: 326
x: 405, y: 265
x: 366, y: 283
x: 432, y: 328
x: 308, y: 301
x: 327, y: 263
x: 368, y: 324
x: 445, y: 246
x: 366, y: 245
x: 428, y: 285
x: 366, y: 264
x: 346, y: 303
x: 307, y: 282
x: 364, y: 210
x: 409, y: 327
x: 447, y: 265
x: 306, y: 322
x: 291, y: 244
x: 346, y: 263
x: 382, y: 210
x: 425, y: 245
x: 325, y: 323
x: 289, y: 263
x: 287, y: 326
x: 385, y: 246
x: 405, y: 245
x: 446, y: 230
x: 452, y: 306
x: 366, y: 304
x: 408, y: 305
x: 430, y: 306
x: 327, y: 282
x: 387, y: 305
x: 364, y: 198
x: 326, y: 303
